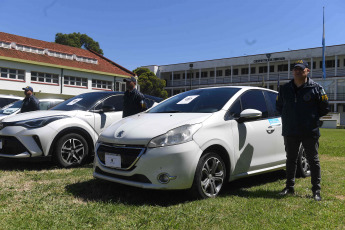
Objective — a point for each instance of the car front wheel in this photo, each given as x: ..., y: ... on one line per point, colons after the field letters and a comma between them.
x: 71, y: 150
x: 209, y: 176
x: 303, y: 167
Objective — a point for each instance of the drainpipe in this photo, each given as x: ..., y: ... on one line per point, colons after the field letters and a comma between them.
x: 61, y: 80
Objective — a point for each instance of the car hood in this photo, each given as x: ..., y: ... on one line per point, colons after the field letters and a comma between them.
x: 38, y: 114
x: 140, y: 129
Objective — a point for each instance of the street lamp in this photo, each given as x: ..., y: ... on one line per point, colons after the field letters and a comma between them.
x: 191, y: 74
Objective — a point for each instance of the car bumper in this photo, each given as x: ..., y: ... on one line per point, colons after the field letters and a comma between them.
x: 19, y: 142
x: 177, y: 161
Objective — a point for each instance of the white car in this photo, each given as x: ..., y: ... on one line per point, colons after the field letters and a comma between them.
x: 8, y: 99
x: 14, y: 108
x: 198, y: 139
x: 67, y: 132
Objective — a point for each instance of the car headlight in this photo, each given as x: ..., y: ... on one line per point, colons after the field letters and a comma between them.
x: 37, y: 122
x: 175, y: 136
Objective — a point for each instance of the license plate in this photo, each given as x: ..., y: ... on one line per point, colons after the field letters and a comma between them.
x: 0, y: 144
x: 113, y: 160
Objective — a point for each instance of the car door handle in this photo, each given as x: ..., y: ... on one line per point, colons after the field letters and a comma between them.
x: 270, y: 129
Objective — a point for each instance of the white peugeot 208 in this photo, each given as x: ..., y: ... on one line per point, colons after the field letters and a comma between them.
x: 198, y: 139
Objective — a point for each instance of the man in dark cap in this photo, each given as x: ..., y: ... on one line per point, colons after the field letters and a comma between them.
x: 30, y: 102
x: 301, y: 103
x: 133, y: 100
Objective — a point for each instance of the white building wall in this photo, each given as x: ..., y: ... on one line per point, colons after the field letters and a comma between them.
x: 46, y: 90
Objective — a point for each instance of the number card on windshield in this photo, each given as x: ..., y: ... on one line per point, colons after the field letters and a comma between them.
x: 187, y: 100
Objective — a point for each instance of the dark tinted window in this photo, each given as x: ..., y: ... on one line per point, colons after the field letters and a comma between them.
x: 271, y: 98
x: 116, y: 101
x: 254, y: 99
x: 235, y: 109
x: 196, y: 101
x: 6, y: 101
x: 11, y: 108
x: 81, y: 102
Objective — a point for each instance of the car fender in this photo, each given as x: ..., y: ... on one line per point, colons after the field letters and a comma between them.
x: 67, y: 125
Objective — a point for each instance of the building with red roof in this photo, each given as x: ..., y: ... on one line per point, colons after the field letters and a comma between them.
x: 55, y: 70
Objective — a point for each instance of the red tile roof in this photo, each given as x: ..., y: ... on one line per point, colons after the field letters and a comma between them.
x: 103, y: 65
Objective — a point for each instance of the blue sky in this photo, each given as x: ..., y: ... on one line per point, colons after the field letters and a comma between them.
x: 136, y: 33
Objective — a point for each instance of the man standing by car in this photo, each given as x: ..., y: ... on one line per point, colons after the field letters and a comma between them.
x: 301, y: 103
x: 133, y: 100
x: 30, y: 102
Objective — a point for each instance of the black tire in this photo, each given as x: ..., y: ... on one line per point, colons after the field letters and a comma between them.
x: 71, y: 150
x: 303, y: 167
x: 209, y: 176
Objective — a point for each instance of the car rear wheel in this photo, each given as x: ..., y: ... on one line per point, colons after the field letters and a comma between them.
x: 71, y: 150
x: 303, y: 167
x: 209, y: 176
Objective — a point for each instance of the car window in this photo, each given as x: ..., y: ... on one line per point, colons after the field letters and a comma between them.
x: 44, y: 105
x: 83, y: 102
x: 254, y: 99
x: 235, y: 109
x: 116, y: 101
x: 196, y: 101
x: 271, y: 98
x: 6, y: 101
x: 11, y: 108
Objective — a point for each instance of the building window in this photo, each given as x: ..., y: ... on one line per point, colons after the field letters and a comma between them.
x: 235, y: 71
x: 197, y: 74
x: 329, y: 63
x: 271, y: 68
x: 99, y: 84
x: 283, y: 67
x: 219, y: 73
x: 263, y: 69
x: 244, y: 71
x: 45, y: 77
x: 177, y: 76
x: 75, y: 81
x: 228, y: 72
x: 211, y: 73
x: 314, y: 65
x: 203, y: 74
x: 252, y: 70
x: 15, y: 74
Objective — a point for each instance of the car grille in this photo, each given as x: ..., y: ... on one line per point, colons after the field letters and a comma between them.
x: 135, y: 178
x: 11, y: 146
x: 129, y: 154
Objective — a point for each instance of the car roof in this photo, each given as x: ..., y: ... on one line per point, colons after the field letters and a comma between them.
x: 239, y: 87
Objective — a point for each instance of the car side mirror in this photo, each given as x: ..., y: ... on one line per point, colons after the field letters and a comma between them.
x: 107, y: 108
x: 249, y: 114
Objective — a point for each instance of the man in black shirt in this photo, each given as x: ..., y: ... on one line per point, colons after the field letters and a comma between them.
x: 30, y: 102
x: 133, y: 100
x: 301, y: 103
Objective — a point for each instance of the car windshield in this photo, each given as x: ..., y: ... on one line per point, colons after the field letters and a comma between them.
x: 9, y: 109
x: 196, y: 101
x: 83, y: 102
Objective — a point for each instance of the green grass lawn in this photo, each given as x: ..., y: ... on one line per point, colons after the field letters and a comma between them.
x: 41, y: 196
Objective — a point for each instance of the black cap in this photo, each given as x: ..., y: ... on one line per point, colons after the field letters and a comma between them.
x: 130, y: 79
x: 301, y: 63
x: 27, y: 88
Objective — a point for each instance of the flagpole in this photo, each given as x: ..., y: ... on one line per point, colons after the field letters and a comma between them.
x: 323, y: 47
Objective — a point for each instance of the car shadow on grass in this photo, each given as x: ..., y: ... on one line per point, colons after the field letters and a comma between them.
x: 242, y: 186
x: 30, y: 165
x: 96, y: 190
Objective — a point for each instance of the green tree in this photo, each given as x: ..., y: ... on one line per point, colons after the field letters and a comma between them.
x: 78, y: 40
x: 150, y: 84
